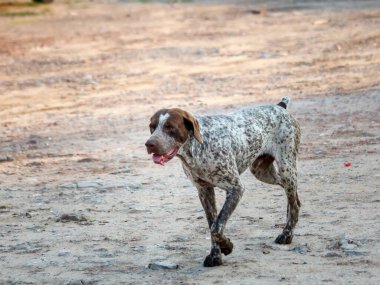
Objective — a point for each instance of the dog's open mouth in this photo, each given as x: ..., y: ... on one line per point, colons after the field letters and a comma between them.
x: 162, y: 159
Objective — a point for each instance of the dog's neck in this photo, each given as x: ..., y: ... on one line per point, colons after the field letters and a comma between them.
x: 185, y: 152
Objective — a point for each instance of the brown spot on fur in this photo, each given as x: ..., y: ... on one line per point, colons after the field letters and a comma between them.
x: 189, y: 122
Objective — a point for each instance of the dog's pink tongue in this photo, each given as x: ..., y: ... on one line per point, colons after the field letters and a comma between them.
x: 159, y: 159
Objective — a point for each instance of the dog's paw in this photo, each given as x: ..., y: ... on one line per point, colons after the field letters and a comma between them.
x: 226, y: 246
x: 213, y: 260
x: 284, y: 239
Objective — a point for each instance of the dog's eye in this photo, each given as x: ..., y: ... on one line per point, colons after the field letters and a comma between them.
x: 169, y: 129
x: 152, y: 128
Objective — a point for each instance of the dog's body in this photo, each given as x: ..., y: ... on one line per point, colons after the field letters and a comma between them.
x: 215, y: 150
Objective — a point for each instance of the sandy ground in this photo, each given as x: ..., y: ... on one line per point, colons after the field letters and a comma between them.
x: 82, y: 203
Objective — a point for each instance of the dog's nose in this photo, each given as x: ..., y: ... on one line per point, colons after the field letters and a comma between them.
x: 151, y: 145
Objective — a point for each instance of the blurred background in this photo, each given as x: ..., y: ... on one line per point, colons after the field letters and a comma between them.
x: 82, y: 203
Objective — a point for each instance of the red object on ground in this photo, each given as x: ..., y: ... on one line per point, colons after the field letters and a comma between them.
x: 347, y: 164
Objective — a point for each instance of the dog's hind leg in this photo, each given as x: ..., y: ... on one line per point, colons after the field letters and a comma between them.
x: 264, y: 170
x: 288, y: 175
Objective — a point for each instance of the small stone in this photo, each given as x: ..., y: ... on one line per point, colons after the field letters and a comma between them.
x: 162, y: 265
x: 301, y: 249
x: 266, y: 250
x: 332, y: 254
x: 63, y: 252
x: 344, y: 244
x: 348, y: 246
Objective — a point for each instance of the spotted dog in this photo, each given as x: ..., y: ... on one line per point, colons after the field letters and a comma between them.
x: 215, y: 150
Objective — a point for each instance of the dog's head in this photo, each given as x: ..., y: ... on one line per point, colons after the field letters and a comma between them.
x: 170, y: 129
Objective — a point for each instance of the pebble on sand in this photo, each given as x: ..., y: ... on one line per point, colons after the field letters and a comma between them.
x: 162, y: 265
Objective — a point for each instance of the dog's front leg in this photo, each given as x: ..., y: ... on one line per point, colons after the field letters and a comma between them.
x: 219, y: 243
x: 233, y: 197
x: 206, y: 195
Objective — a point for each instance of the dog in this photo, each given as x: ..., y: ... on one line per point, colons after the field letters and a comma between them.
x: 215, y: 150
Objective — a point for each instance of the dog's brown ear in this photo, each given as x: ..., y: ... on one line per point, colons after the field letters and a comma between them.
x: 190, y: 122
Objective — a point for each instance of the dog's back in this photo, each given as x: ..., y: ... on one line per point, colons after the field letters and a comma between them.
x: 246, y: 134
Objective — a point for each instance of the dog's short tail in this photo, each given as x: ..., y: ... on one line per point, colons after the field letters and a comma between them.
x: 284, y: 102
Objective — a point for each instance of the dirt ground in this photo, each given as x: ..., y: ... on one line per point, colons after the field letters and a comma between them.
x: 82, y: 203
